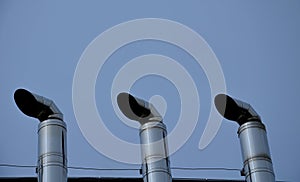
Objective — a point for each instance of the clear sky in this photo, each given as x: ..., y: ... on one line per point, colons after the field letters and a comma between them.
x: 257, y: 44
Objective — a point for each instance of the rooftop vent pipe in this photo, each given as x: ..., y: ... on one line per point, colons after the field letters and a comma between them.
x: 156, y: 164
x: 253, y: 139
x: 52, y: 145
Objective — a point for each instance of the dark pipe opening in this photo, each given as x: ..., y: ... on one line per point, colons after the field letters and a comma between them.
x: 30, y: 106
x: 131, y: 108
x: 235, y: 110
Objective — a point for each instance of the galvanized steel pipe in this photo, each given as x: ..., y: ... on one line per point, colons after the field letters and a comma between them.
x: 156, y: 164
x: 52, y: 137
x: 52, y: 151
x: 256, y: 155
x: 153, y: 133
x: 255, y: 152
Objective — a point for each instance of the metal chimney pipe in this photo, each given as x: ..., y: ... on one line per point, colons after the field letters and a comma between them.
x: 253, y: 138
x: 52, y: 137
x: 153, y: 133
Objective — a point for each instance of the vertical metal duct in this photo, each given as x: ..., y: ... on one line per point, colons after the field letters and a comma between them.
x: 52, y: 145
x: 253, y: 139
x: 156, y: 164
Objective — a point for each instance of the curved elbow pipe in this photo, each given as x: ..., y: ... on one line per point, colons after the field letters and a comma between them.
x: 137, y: 109
x: 155, y: 161
x: 36, y: 106
x: 235, y: 110
x: 253, y: 139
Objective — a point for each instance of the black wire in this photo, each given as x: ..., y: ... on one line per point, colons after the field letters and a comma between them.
x: 206, y: 168
x: 103, y: 169
x: 127, y: 169
x: 133, y: 169
x: 17, y: 166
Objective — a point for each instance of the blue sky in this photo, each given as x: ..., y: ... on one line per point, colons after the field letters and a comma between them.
x: 256, y: 43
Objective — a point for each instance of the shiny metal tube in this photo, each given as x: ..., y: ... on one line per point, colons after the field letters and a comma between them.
x: 52, y: 137
x: 253, y: 138
x: 36, y: 106
x: 156, y: 164
x: 52, y: 151
x: 255, y: 152
x: 153, y: 133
